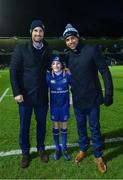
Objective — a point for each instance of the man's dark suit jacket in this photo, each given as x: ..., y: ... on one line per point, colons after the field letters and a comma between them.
x: 84, y: 65
x: 28, y: 73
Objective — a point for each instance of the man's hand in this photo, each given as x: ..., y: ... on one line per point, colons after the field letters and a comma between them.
x: 66, y: 71
x: 108, y: 100
x: 19, y: 98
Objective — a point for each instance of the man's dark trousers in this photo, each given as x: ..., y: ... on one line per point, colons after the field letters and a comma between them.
x: 25, y: 113
x: 93, y: 117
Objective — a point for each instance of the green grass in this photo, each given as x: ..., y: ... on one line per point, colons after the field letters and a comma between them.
x: 111, y: 126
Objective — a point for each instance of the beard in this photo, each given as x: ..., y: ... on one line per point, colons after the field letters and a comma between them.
x: 38, y: 40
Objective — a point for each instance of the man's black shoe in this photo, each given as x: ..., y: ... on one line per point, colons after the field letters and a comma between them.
x: 44, y: 156
x: 25, y: 161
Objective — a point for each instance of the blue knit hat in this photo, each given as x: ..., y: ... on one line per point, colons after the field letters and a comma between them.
x: 56, y: 58
x: 36, y: 23
x: 70, y: 31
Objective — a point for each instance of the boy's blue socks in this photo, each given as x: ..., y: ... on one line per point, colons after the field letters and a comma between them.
x: 64, y: 138
x: 56, y: 138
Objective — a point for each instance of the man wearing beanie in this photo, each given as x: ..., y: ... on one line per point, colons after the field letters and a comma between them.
x: 28, y: 67
x: 84, y: 62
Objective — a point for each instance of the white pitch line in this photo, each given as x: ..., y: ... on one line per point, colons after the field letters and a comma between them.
x: 3, y: 95
x: 52, y: 147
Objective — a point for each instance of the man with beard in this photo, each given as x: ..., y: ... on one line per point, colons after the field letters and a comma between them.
x: 28, y: 68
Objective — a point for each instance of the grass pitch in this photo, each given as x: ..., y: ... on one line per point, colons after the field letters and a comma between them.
x: 111, y: 126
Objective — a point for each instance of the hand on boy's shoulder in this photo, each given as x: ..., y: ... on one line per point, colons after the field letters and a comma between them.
x: 67, y: 71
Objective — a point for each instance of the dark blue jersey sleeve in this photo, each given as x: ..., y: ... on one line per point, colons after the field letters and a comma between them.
x: 48, y: 76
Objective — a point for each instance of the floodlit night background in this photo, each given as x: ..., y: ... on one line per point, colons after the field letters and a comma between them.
x: 90, y: 17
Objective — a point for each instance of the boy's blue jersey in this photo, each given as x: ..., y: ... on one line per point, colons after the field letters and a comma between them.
x: 59, y: 89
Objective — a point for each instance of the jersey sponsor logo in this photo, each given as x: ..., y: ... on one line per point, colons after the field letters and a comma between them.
x: 52, y: 81
x: 59, y: 92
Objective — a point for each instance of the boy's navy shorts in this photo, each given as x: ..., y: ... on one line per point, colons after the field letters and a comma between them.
x: 60, y: 114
